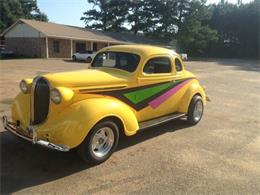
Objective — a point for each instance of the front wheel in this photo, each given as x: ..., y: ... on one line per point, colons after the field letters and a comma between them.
x: 195, y: 111
x: 100, y: 143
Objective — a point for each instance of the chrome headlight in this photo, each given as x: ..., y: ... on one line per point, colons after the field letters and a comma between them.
x: 55, y: 96
x: 24, y: 86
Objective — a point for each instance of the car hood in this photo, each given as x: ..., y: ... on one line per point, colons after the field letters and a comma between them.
x: 87, y: 78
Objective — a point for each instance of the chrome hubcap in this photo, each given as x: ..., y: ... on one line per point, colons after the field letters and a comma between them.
x: 198, y: 110
x: 102, y: 141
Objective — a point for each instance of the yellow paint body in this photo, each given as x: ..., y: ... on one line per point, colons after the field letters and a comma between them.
x: 83, y: 105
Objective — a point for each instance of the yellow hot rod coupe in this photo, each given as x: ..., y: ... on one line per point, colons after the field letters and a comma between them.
x: 126, y: 88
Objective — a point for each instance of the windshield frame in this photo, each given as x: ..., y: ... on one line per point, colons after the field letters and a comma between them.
x: 107, y: 67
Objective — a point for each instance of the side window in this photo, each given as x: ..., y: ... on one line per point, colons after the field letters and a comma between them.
x: 158, y: 65
x: 56, y: 46
x: 178, y: 65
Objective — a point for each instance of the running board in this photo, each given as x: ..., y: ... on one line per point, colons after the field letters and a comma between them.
x: 160, y: 120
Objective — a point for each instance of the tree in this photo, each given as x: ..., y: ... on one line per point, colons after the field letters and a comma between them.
x: 117, y: 15
x: 97, y: 17
x: 141, y: 16
x: 135, y: 16
x: 238, y: 29
x: 40, y: 16
x: 167, y: 24
x: 201, y: 30
x: 12, y: 10
x: 159, y: 19
x: 195, y: 35
x: 106, y: 15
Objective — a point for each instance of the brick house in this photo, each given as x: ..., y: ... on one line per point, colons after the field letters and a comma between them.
x: 49, y: 40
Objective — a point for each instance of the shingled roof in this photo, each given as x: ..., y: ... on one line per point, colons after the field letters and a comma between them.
x: 50, y: 29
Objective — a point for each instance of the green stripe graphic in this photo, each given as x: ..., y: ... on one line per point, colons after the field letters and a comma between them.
x: 142, y: 94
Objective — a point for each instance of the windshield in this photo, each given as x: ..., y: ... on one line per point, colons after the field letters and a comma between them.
x: 118, y: 60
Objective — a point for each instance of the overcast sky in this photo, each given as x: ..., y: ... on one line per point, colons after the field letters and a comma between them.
x: 69, y: 12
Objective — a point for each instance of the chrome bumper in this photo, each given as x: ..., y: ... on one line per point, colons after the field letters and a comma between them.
x: 14, y: 129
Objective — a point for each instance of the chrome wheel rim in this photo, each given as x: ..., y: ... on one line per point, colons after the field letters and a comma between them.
x: 102, y: 141
x: 198, y: 110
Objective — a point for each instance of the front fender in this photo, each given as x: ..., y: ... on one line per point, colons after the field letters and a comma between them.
x: 71, y: 126
x: 194, y: 88
x: 21, y: 109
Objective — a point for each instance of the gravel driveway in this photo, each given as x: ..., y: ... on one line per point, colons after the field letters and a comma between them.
x: 219, y: 155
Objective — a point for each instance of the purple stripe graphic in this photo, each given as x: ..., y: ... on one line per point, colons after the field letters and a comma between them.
x: 156, y: 102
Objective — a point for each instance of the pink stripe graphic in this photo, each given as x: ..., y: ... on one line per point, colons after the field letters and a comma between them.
x: 158, y: 101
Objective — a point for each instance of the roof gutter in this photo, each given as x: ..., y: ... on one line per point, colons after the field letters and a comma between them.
x: 85, y: 39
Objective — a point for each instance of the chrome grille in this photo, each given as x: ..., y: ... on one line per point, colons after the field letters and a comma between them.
x: 40, y: 101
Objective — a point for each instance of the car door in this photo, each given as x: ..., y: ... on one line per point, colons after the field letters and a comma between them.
x: 154, y: 77
x: 157, y: 78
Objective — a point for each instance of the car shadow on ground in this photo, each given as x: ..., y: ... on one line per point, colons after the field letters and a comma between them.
x: 24, y: 165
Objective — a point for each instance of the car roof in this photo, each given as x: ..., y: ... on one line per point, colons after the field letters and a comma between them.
x: 142, y: 50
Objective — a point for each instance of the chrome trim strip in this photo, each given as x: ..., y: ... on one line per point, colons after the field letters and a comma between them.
x: 12, y: 128
x: 32, y: 98
x: 156, y: 121
x: 102, y: 88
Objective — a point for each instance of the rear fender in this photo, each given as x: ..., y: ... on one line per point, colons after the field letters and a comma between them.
x: 193, y: 89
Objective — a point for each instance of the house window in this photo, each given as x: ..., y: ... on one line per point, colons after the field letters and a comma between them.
x: 158, y: 65
x: 81, y: 47
x: 56, y: 46
x: 94, y: 46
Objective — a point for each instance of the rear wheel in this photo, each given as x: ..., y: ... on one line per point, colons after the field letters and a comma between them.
x: 100, y: 143
x: 89, y: 59
x: 74, y: 58
x: 195, y: 111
